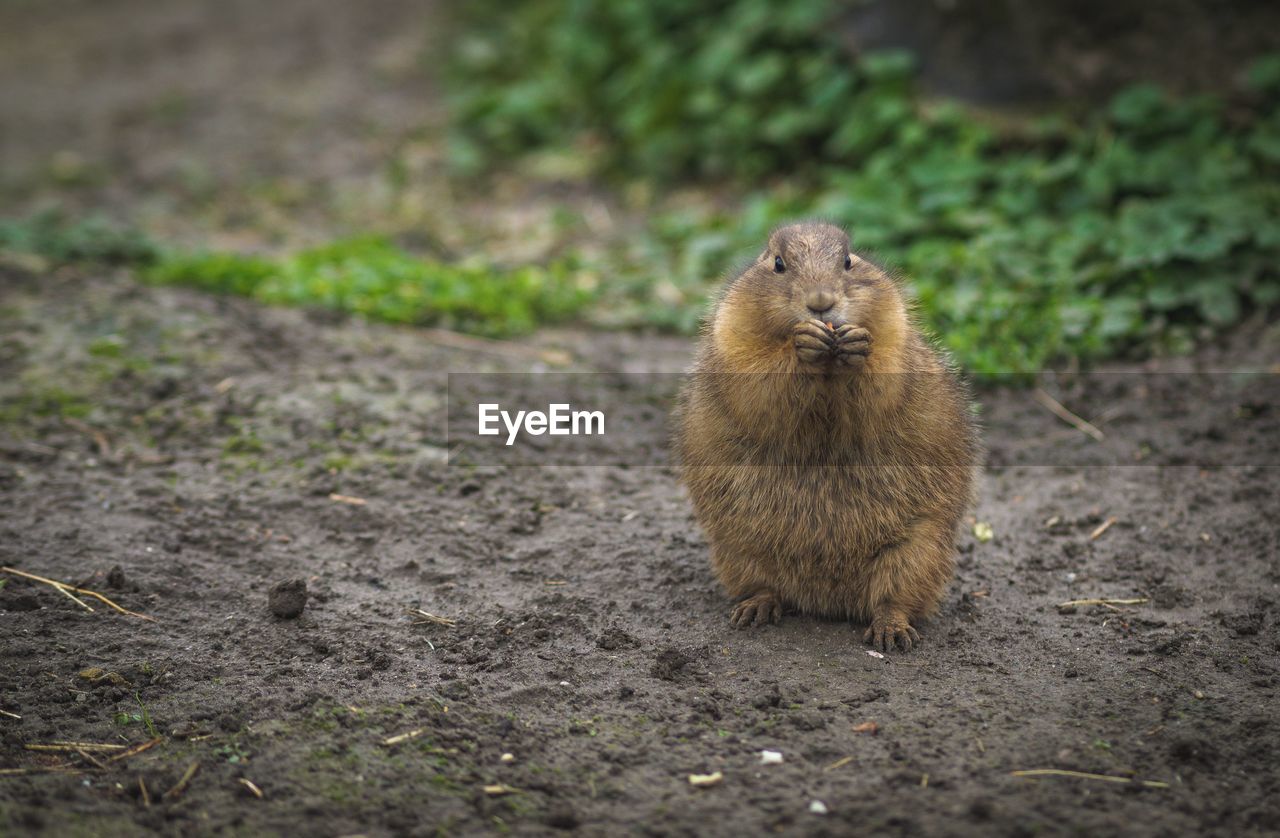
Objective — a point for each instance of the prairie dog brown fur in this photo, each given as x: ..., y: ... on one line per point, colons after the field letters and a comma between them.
x: 828, y: 450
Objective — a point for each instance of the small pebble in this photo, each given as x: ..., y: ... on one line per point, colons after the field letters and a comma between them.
x: 771, y: 757
x: 287, y: 599
x: 817, y: 807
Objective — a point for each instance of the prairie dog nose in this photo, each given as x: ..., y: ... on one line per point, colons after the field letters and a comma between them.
x: 820, y: 302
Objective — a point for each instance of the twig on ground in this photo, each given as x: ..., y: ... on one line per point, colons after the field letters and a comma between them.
x: 434, y: 619
x: 405, y: 737
x: 182, y: 784
x: 499, y: 789
x: 1055, y: 407
x: 1103, y: 527
x: 1109, y: 603
x: 705, y: 780
x: 65, y: 588
x: 137, y: 749
x: 1084, y: 775
x: 347, y: 499
x: 98, y: 437
x: 60, y: 768
x: 840, y: 763
x: 77, y: 600
x: 252, y: 787
x: 88, y: 757
x: 10, y: 715
x: 146, y: 795
x: 75, y: 746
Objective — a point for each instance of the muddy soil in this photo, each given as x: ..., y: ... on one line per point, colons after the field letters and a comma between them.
x: 187, y: 455
x: 183, y: 454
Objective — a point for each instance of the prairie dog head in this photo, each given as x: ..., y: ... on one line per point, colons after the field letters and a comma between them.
x: 807, y: 271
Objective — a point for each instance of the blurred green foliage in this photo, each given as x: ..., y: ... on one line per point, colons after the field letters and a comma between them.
x: 367, y: 275
x: 665, y: 88
x: 372, y: 277
x: 93, y: 239
x: 1139, y: 226
x: 1131, y: 227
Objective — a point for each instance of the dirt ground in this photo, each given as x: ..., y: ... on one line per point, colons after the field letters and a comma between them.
x: 196, y: 444
x: 183, y: 454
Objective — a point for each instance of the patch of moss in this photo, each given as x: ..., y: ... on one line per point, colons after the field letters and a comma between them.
x: 44, y: 402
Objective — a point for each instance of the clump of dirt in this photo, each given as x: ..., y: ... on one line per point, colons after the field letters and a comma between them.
x: 287, y: 598
x: 116, y: 578
x: 670, y: 664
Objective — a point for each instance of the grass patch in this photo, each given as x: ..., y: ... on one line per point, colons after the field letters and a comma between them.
x: 145, y: 716
x: 365, y: 275
x: 35, y: 400
x: 372, y: 277
x: 94, y: 239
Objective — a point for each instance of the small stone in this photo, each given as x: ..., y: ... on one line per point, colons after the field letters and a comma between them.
x: 770, y: 757
x: 287, y: 599
x: 817, y: 807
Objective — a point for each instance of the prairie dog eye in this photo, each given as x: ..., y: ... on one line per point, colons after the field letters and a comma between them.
x: 848, y: 261
x: 778, y: 265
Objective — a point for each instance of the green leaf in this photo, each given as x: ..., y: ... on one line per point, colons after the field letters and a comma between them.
x: 1218, y: 301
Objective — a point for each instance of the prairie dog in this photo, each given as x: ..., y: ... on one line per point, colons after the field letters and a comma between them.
x: 828, y: 449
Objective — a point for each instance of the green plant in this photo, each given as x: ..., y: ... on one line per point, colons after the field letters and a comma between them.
x: 1138, y: 226
x: 1154, y: 221
x: 371, y: 276
x: 740, y: 88
x: 233, y: 752
x: 145, y: 716
x: 93, y: 239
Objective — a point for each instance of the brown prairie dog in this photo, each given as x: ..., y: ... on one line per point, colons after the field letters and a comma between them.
x: 828, y: 449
